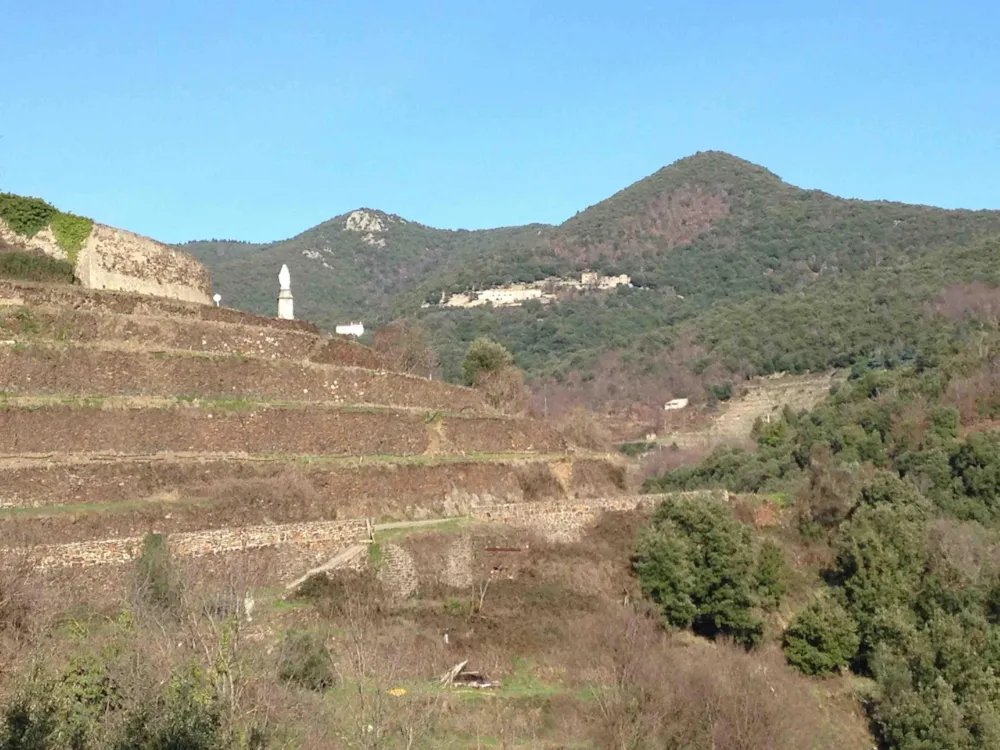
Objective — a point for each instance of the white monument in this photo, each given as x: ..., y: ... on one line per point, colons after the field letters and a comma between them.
x: 285, y: 304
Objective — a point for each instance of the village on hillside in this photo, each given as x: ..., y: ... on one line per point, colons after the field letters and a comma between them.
x: 544, y: 291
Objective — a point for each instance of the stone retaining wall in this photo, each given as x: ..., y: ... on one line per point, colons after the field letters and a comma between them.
x: 564, y: 522
x: 304, y: 545
x: 323, y: 536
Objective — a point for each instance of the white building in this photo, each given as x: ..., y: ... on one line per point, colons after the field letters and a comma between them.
x: 350, y: 329
x: 674, y: 404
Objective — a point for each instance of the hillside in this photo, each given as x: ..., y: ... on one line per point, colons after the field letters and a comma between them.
x: 222, y: 530
x: 709, y: 232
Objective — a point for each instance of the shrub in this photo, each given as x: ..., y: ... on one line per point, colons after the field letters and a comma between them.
x: 28, y: 724
x: 485, y: 355
x: 25, y: 266
x: 405, y: 347
x: 770, y: 575
x: 504, y: 389
x: 304, y: 661
x: 583, y: 428
x: 696, y: 562
x: 156, y: 580
x: 25, y: 216
x: 822, y: 638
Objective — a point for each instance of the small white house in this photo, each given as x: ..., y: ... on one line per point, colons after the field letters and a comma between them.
x: 350, y: 329
x: 674, y: 404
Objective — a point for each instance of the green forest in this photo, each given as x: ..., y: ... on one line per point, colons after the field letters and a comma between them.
x: 892, y: 486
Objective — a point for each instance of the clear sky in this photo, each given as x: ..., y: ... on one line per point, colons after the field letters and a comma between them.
x: 258, y: 119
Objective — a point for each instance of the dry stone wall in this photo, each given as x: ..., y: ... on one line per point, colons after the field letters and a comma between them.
x: 324, y: 536
x: 124, y: 261
x: 564, y: 522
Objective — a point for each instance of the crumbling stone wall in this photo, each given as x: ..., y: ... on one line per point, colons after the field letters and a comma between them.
x: 115, y: 259
x: 124, y: 261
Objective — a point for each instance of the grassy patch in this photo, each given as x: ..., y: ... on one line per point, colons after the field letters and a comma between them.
x: 25, y: 266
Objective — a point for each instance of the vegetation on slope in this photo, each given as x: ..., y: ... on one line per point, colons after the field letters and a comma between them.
x: 896, y: 476
x: 28, y: 216
x: 34, y: 267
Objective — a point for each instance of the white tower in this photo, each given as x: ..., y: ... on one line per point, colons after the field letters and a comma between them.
x: 285, y: 304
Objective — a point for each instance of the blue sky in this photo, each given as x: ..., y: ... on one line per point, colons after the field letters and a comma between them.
x: 256, y: 120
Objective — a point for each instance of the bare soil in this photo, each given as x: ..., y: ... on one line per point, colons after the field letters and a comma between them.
x: 312, y: 430
x: 83, y: 371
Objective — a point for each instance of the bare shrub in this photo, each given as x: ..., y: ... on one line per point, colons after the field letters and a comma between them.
x: 504, y: 389
x: 405, y: 347
x: 537, y: 481
x: 654, y: 693
x: 976, y: 395
x: 971, y: 300
x: 16, y: 592
x: 829, y: 495
x: 581, y: 427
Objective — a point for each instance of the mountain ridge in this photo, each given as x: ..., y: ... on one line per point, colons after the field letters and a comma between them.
x: 710, y: 231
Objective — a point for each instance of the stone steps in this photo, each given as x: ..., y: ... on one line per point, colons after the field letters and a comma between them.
x: 90, y: 426
x: 76, y: 370
x: 51, y: 323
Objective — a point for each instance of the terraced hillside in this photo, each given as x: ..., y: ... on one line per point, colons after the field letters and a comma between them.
x: 122, y: 415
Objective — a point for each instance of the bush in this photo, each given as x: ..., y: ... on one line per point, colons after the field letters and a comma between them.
x: 822, y: 638
x: 770, y: 575
x: 503, y: 389
x: 25, y: 266
x: 304, y: 661
x: 156, y: 581
x: 25, y: 216
x: 485, y: 355
x: 696, y: 562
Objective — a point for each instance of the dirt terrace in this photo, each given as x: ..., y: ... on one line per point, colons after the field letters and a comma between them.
x: 143, y: 332
x: 266, y: 430
x: 287, y: 498
x: 380, y: 488
x: 83, y: 371
x: 138, y: 304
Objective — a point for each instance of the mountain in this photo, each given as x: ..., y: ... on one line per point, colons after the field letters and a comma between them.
x: 708, y: 234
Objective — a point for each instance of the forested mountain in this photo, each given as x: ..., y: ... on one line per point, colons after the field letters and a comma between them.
x: 736, y: 273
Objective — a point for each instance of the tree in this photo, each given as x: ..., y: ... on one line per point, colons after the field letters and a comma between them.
x: 823, y: 637
x: 504, y: 389
x: 484, y: 356
x: 404, y: 346
x: 697, y: 563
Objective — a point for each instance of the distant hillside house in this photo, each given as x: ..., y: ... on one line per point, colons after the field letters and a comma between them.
x: 674, y: 404
x: 350, y: 329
